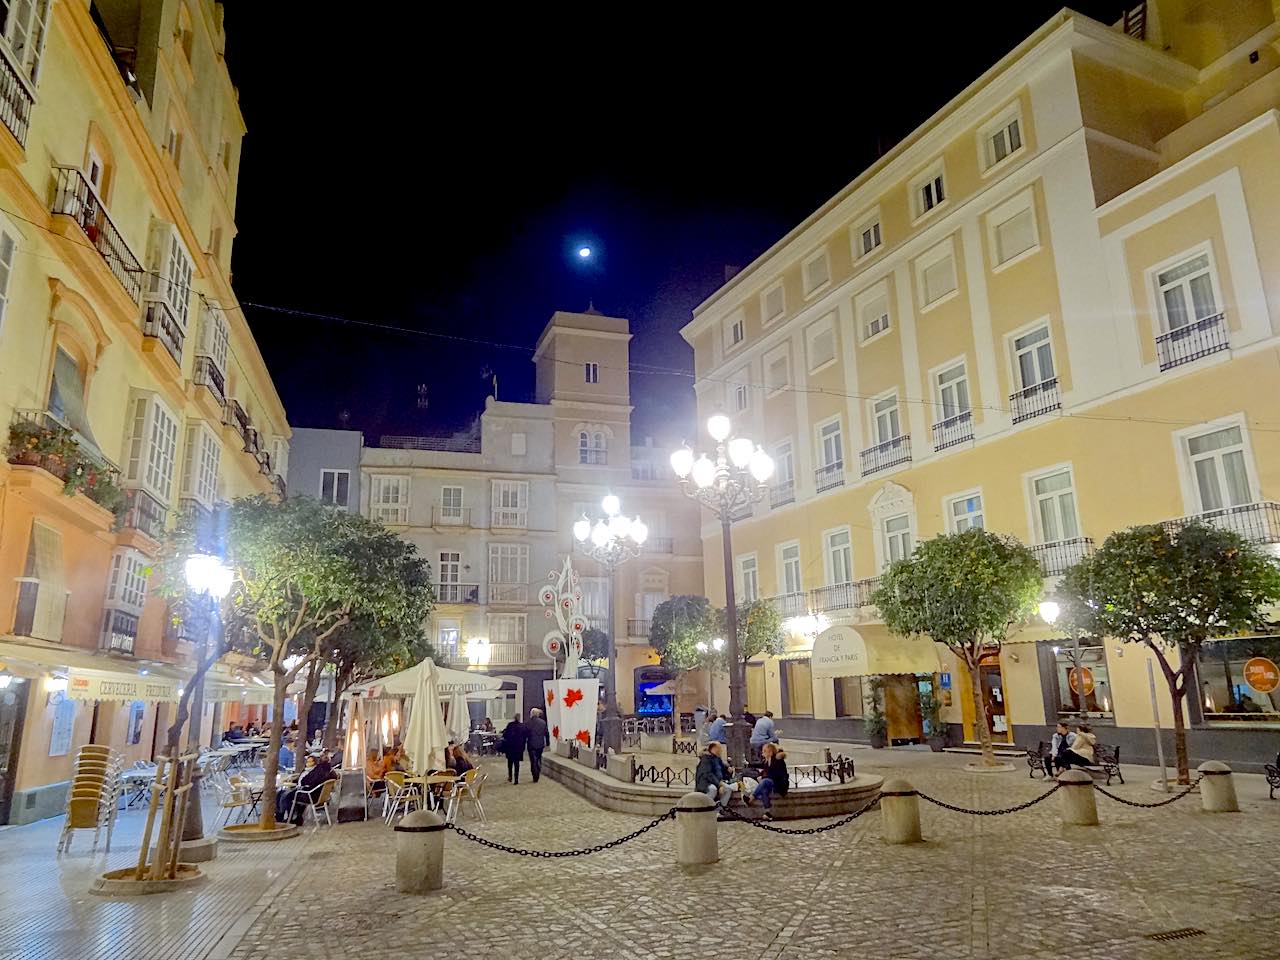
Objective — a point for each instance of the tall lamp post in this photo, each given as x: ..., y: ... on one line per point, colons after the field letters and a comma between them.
x: 734, y: 477
x: 611, y: 540
x: 717, y: 645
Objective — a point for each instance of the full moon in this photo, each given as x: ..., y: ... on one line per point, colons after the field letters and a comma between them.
x: 584, y: 252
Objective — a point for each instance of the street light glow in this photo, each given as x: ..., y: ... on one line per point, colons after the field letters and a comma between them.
x: 704, y: 472
x: 740, y: 451
x: 1049, y: 610
x: 584, y: 253
x: 611, y: 505
x: 682, y: 462
x: 761, y: 465
x: 719, y: 426
x: 207, y: 574
x: 581, y: 529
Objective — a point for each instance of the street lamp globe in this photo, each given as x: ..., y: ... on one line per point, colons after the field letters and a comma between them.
x: 1049, y: 610
x: 701, y: 646
x: 207, y: 574
x: 682, y: 462
x: 619, y: 526
x: 761, y: 465
x: 600, y: 533
x: 718, y: 643
x: 740, y: 450
x: 704, y: 472
x: 639, y: 531
x: 611, y: 505
x: 581, y: 529
x: 719, y: 426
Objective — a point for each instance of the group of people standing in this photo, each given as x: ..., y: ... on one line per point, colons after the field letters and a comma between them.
x: 518, y: 737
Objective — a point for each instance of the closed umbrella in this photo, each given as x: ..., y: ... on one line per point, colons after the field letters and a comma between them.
x: 459, y: 717
x: 425, y: 738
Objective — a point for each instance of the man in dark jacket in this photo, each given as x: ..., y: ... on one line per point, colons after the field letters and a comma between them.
x: 514, y: 737
x: 712, y: 776
x: 319, y: 772
x: 538, y: 740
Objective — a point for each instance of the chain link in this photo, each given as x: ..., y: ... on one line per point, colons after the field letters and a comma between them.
x: 1159, y: 803
x: 989, y: 813
x: 554, y: 854
x: 765, y: 825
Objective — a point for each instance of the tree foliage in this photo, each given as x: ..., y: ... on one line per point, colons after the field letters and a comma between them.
x: 595, y: 648
x: 676, y: 628
x: 1170, y: 591
x: 759, y: 629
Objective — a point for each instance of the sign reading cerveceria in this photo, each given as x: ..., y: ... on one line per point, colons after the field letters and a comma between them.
x: 90, y: 686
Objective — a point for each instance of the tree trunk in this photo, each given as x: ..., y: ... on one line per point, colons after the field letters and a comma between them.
x: 980, y: 710
x: 341, y: 680
x: 271, y: 765
x: 1177, y: 695
x: 308, y: 700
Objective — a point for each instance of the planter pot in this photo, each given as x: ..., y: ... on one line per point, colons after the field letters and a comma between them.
x: 879, y: 740
x: 27, y: 458
x: 937, y: 743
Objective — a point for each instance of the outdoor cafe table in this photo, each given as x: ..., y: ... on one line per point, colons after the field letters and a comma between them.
x: 431, y: 781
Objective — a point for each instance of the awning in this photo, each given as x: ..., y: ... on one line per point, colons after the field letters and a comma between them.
x: 477, y: 686
x: 785, y: 655
x: 1035, y: 632
x: 842, y: 651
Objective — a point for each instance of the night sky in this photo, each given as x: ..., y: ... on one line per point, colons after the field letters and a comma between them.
x: 438, y: 176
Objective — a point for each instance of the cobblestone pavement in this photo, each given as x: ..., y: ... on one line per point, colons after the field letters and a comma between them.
x: 1017, y: 887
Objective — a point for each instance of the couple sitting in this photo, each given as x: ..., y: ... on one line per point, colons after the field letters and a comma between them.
x: 1069, y: 750
x: 715, y: 778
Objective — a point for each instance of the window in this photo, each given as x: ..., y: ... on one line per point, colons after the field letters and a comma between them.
x: 6, y: 270
x: 821, y: 339
x: 928, y: 191
x: 773, y: 303
x: 171, y: 271
x: 1055, y: 506
x: 749, y: 577
x: 1015, y: 235
x: 776, y: 374
x: 449, y: 637
x: 1001, y: 141
x: 450, y: 577
x: 736, y: 329
x: 831, y: 443
x: 152, y: 447
x: 937, y: 273
x: 137, y: 712
x: 172, y: 143
x: 451, y: 504
x: 1227, y: 688
x: 1033, y: 358
x: 839, y: 557
x: 789, y: 569
x: 595, y: 601
x: 335, y: 487
x: 784, y: 464
x: 508, y: 563
x: 848, y: 696
x: 1218, y: 463
x: 127, y: 585
x: 591, y: 372
x: 42, y: 593
x: 965, y: 513
x: 799, y: 688
x: 1187, y: 292
x: 740, y: 391
x: 25, y: 27
x: 215, y: 337
x: 506, y: 628
x: 389, y: 499
x: 200, y: 461
x: 510, y: 503
x: 953, y: 391
x: 592, y: 447
x: 866, y: 237
x: 1093, y: 681
x: 817, y: 273
x: 280, y: 457
x: 886, y: 424
x: 897, y: 538
x: 874, y: 315
x: 185, y: 36
x: 66, y: 394
x: 224, y: 155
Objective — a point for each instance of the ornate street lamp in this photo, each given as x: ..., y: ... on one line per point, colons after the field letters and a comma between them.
x: 611, y: 540
x: 734, y: 478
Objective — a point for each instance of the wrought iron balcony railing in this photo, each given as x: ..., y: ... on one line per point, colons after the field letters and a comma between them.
x: 1254, y: 522
x: 953, y: 430
x: 791, y: 604
x: 829, y: 476
x: 15, y: 101
x: 206, y: 374
x: 160, y: 324
x: 782, y: 492
x: 145, y: 514
x: 638, y: 628
x: 1191, y: 342
x: 458, y: 592
x: 1058, y: 557
x: 451, y: 516
x: 76, y: 198
x: 1035, y: 401
x: 517, y: 593
x: 660, y: 545
x: 836, y: 596
x: 884, y: 455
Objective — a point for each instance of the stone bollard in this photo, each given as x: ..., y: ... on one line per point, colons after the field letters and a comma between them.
x: 696, y: 839
x: 1079, y: 805
x: 420, y: 852
x: 899, y: 812
x: 1217, y: 788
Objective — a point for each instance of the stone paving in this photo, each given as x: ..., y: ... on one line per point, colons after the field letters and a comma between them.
x: 1017, y: 886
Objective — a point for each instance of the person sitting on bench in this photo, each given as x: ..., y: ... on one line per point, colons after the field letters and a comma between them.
x: 1080, y: 753
x: 1062, y: 740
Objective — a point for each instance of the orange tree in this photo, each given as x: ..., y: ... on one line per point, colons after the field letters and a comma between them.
x: 1171, y: 591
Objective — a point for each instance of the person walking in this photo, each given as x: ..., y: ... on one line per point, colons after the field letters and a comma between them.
x: 515, y: 736
x: 539, y: 737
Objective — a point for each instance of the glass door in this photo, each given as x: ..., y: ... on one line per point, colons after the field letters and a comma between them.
x: 13, y: 707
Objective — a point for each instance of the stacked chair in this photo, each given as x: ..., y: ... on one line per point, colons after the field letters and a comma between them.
x: 94, y: 795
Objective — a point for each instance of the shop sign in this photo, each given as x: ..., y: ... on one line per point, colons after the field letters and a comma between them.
x: 945, y: 681
x: 84, y: 686
x: 1074, y: 679
x: 1261, y: 674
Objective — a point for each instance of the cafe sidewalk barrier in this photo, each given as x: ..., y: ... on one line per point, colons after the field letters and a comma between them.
x: 581, y: 852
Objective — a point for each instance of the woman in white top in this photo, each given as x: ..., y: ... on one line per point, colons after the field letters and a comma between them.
x: 1081, y: 752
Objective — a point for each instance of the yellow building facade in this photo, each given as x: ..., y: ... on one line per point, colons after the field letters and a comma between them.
x: 128, y: 373
x: 1051, y: 311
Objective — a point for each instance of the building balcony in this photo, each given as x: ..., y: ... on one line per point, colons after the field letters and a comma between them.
x: 263, y: 456
x: 235, y: 417
x: 740, y: 512
x: 76, y: 198
x: 884, y: 455
x: 639, y: 629
x: 509, y: 518
x: 1191, y: 342
x: 39, y: 438
x: 953, y: 430
x: 457, y: 593
x: 1058, y: 557
x: 660, y: 545
x: 451, y: 516
x: 1254, y: 522
x: 781, y: 492
x: 202, y: 520
x: 1035, y: 401
x: 509, y: 593
x: 593, y: 456
x: 206, y: 374
x: 791, y: 604
x: 16, y: 101
x: 278, y: 486
x: 161, y: 326
x: 492, y: 655
x: 119, y: 630
x: 837, y: 596
x: 829, y: 476
x: 145, y: 514
x: 434, y: 444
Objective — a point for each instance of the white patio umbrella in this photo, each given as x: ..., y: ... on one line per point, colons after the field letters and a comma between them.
x: 459, y: 717
x: 424, y: 737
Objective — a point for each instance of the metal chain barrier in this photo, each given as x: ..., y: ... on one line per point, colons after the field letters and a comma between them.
x: 989, y: 813
x: 1159, y: 803
x: 552, y: 854
x: 801, y: 831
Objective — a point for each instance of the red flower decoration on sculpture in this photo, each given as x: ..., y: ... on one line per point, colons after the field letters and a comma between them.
x: 551, y: 698
x: 571, y: 697
x: 584, y: 737
x: 555, y: 732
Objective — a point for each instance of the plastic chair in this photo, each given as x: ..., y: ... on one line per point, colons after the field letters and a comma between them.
x: 316, y: 797
x: 399, y: 795
x: 232, y: 797
x: 467, y: 788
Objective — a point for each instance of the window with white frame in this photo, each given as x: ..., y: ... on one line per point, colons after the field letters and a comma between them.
x: 7, y: 249
x: 171, y: 271
x: 201, y: 458
x: 789, y: 580
x: 335, y: 487
x: 866, y: 236
x: 510, y: 503
x: 886, y: 421
x: 592, y: 448
x: 1001, y: 139
x: 591, y: 372
x: 773, y: 303
x: 820, y: 339
x: 936, y: 273
x: 280, y: 457
x: 928, y: 191
x: 508, y: 563
x: 1033, y: 358
x: 450, y: 576
x: 952, y: 385
x: 153, y: 446
x: 449, y: 637
x: 776, y: 373
x: 735, y: 329
x: 506, y: 628
x: 749, y: 578
x: 215, y: 337
x: 1220, y: 467
x: 25, y: 29
x: 1054, y: 498
x: 839, y: 557
x: 965, y: 512
x: 389, y: 498
x: 831, y: 443
x: 451, y: 504
x: 740, y: 392
x: 784, y: 463
x: 595, y: 601
x: 816, y: 272
x: 897, y: 538
x: 127, y: 585
x: 1187, y: 292
x: 873, y: 313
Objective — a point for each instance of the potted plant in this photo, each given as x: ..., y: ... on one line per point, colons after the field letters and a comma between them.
x: 931, y: 714
x: 876, y: 722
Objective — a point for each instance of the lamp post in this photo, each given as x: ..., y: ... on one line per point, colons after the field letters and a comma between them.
x: 734, y: 477
x: 210, y: 579
x: 611, y: 540
x: 717, y: 645
x: 1049, y: 611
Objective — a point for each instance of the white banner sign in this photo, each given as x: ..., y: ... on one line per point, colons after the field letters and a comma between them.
x: 114, y: 686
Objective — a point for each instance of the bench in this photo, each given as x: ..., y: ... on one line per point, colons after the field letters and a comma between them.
x: 1272, y: 772
x: 1106, y: 762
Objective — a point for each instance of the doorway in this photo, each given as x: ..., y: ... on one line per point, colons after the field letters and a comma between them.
x: 13, y: 708
x: 902, y: 709
x: 995, y: 704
